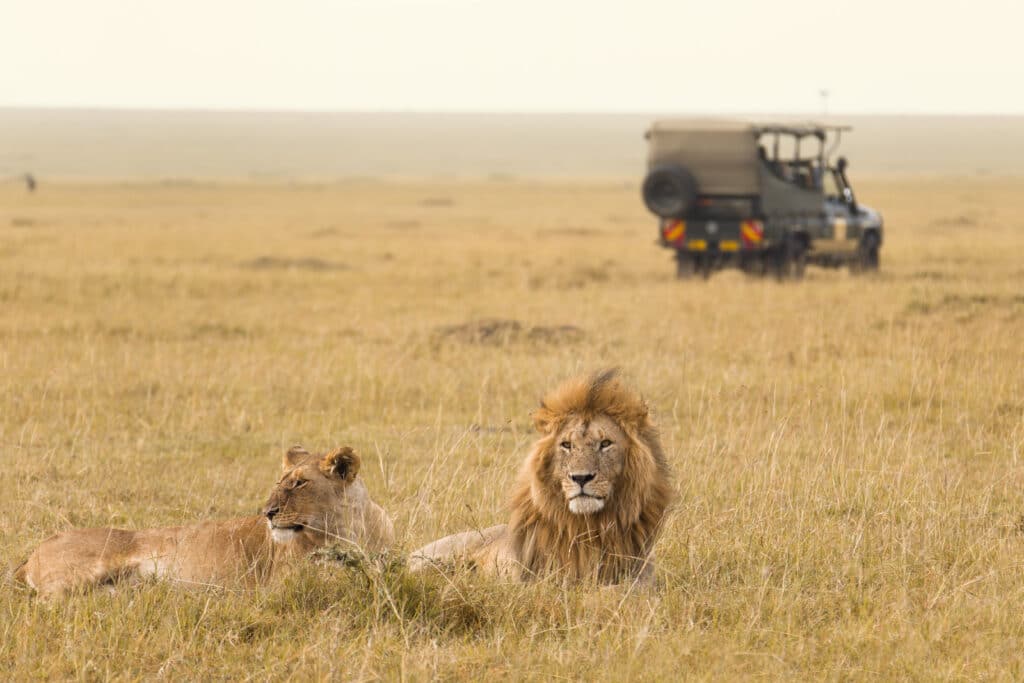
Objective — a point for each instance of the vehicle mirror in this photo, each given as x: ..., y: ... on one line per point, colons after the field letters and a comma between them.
x: 841, y: 164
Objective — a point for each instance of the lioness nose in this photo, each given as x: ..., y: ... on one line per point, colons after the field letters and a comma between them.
x: 271, y: 510
x: 581, y: 479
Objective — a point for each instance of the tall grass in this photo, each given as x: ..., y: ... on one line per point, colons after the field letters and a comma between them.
x: 847, y: 450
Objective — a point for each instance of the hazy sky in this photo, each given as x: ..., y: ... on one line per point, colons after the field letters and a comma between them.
x: 901, y: 56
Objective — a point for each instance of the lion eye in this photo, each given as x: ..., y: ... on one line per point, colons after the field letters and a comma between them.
x: 605, y: 443
x: 299, y: 483
x: 566, y: 445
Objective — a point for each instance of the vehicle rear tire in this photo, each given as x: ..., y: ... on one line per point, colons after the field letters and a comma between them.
x: 867, y: 254
x: 686, y: 265
x: 706, y: 265
x: 754, y: 266
x: 690, y: 265
x: 791, y: 259
x: 669, y: 191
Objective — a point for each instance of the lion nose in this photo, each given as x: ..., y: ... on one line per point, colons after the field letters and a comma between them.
x: 271, y: 510
x: 581, y: 479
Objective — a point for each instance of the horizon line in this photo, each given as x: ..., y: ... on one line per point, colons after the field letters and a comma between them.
x: 500, y: 112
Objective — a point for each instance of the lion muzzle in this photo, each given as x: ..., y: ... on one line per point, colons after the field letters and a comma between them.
x: 581, y: 501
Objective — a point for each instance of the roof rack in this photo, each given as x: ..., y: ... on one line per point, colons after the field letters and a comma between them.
x: 800, y: 129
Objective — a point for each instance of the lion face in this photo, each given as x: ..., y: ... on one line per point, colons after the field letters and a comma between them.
x: 314, y: 498
x: 587, y: 458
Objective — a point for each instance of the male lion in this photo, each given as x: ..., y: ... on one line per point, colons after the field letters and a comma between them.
x: 317, y: 500
x: 589, y: 500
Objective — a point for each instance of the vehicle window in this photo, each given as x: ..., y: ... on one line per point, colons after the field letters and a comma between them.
x: 787, y: 146
x: 795, y: 162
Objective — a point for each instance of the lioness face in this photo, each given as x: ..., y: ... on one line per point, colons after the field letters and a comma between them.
x: 310, y: 502
x: 588, y: 458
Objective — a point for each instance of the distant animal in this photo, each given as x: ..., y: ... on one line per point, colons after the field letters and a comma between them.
x: 30, y: 182
x: 318, y: 500
x: 589, y: 501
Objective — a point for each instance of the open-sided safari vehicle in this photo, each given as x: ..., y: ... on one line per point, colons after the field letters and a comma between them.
x: 751, y: 195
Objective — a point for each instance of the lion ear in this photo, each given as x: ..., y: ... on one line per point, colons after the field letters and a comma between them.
x: 294, y: 456
x: 544, y: 421
x: 342, y: 463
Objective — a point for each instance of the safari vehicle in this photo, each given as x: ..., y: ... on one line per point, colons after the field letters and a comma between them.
x: 749, y: 195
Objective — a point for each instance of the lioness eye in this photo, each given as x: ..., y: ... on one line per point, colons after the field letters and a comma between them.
x: 299, y: 483
x: 605, y: 443
x: 566, y: 445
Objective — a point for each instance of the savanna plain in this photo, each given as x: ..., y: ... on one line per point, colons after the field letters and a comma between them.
x: 847, y: 450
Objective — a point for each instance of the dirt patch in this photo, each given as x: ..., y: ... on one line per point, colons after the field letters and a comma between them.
x: 277, y: 263
x: 500, y: 332
x: 219, y: 331
x: 437, y: 201
x: 576, y: 278
x: 324, y: 232
x: 22, y: 222
x: 962, y: 302
x: 930, y: 275
x: 961, y: 221
x: 569, y: 232
x: 403, y: 224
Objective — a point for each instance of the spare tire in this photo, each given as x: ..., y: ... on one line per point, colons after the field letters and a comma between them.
x: 670, y: 191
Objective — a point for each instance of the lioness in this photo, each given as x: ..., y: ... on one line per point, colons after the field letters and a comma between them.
x: 590, y: 498
x: 318, y: 499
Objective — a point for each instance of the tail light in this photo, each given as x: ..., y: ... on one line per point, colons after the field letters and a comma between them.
x: 673, y: 231
x: 752, y: 233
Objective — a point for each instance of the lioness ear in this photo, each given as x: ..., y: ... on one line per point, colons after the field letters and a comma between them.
x: 343, y: 463
x: 294, y: 455
x: 544, y: 421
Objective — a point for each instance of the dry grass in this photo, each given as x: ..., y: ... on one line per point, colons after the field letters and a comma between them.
x: 848, y: 450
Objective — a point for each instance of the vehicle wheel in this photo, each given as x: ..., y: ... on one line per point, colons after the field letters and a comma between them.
x: 791, y: 260
x: 686, y: 266
x: 706, y: 264
x: 669, y: 191
x: 867, y: 254
x: 754, y: 266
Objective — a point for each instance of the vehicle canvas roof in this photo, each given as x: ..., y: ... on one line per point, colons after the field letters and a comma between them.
x: 755, y: 128
x: 722, y: 154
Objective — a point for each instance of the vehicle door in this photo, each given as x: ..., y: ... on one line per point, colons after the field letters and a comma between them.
x: 842, y: 219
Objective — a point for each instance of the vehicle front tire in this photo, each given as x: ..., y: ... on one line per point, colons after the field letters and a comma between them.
x: 867, y: 254
x: 686, y: 266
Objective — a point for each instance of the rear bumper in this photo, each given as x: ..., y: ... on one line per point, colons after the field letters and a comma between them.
x: 712, y: 235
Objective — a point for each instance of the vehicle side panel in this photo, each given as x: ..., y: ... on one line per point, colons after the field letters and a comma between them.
x: 780, y: 198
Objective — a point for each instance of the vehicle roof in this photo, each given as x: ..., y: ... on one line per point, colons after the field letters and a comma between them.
x: 693, y: 125
x: 722, y: 154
